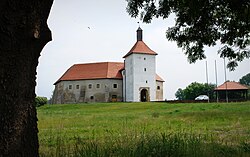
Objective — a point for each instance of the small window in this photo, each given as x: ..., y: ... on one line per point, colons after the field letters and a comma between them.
x: 146, y: 81
x: 98, y: 85
x: 90, y: 86
x: 77, y: 86
x: 115, y: 85
x: 91, y: 97
x: 70, y: 86
x: 144, y: 58
x: 158, y: 87
x: 145, y: 69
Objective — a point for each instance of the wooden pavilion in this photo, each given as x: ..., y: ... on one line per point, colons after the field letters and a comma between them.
x: 232, y: 91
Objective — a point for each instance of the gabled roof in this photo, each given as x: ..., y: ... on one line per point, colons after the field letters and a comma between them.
x: 140, y: 48
x: 90, y: 71
x: 231, y: 86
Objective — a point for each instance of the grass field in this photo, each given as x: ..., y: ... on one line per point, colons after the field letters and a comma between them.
x: 145, y: 129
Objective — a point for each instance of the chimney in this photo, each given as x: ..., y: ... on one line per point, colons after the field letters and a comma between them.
x: 139, y: 34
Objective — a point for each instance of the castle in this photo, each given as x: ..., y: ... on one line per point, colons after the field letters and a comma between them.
x: 134, y: 80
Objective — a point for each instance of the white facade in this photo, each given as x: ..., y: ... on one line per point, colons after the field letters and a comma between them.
x: 139, y: 75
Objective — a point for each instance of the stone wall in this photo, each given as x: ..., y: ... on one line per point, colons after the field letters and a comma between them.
x: 98, y: 90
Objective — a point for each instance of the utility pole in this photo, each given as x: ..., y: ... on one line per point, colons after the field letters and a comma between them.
x: 225, y: 79
x: 207, y: 83
x: 215, y: 66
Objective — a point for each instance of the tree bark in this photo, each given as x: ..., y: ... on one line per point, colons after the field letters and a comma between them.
x: 23, y: 34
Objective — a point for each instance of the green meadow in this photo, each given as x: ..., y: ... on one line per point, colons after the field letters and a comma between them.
x: 144, y: 129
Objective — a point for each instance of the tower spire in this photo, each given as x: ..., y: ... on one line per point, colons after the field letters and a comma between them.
x: 139, y: 34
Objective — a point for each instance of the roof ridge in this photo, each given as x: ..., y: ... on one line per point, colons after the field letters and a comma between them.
x: 95, y: 63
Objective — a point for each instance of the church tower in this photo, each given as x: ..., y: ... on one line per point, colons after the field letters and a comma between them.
x: 139, y: 77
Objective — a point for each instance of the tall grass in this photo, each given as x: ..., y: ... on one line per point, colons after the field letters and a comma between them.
x: 144, y: 129
x: 146, y: 145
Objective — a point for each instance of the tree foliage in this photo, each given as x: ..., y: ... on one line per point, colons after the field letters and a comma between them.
x: 245, y: 80
x: 40, y: 101
x: 180, y: 94
x: 195, y: 89
x: 202, y: 23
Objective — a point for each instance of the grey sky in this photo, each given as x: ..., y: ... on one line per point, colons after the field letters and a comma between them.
x: 99, y: 31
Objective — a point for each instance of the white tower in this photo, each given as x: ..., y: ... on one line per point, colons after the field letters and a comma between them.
x: 139, y: 76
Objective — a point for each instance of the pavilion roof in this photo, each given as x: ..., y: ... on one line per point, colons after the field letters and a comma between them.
x: 231, y: 85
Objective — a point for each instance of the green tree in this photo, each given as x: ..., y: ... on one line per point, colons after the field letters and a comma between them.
x: 209, y: 88
x: 40, y: 101
x: 202, y: 23
x: 245, y: 80
x: 23, y: 34
x: 180, y: 94
x: 195, y: 89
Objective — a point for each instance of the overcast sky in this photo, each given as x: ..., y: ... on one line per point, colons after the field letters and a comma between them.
x: 100, y: 31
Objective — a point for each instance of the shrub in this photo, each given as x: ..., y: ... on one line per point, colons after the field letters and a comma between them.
x: 40, y: 101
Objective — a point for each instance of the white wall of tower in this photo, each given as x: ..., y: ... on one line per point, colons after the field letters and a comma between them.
x: 140, y: 73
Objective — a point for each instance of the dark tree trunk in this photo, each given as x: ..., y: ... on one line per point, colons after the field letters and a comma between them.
x: 23, y: 34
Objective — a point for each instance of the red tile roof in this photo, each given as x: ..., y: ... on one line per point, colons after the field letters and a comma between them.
x: 141, y: 48
x: 90, y: 71
x: 231, y: 86
x: 99, y: 70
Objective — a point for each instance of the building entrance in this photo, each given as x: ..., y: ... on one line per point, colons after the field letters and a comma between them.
x: 144, y: 95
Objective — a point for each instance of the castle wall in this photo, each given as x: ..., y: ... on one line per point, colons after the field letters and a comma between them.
x: 99, y: 90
